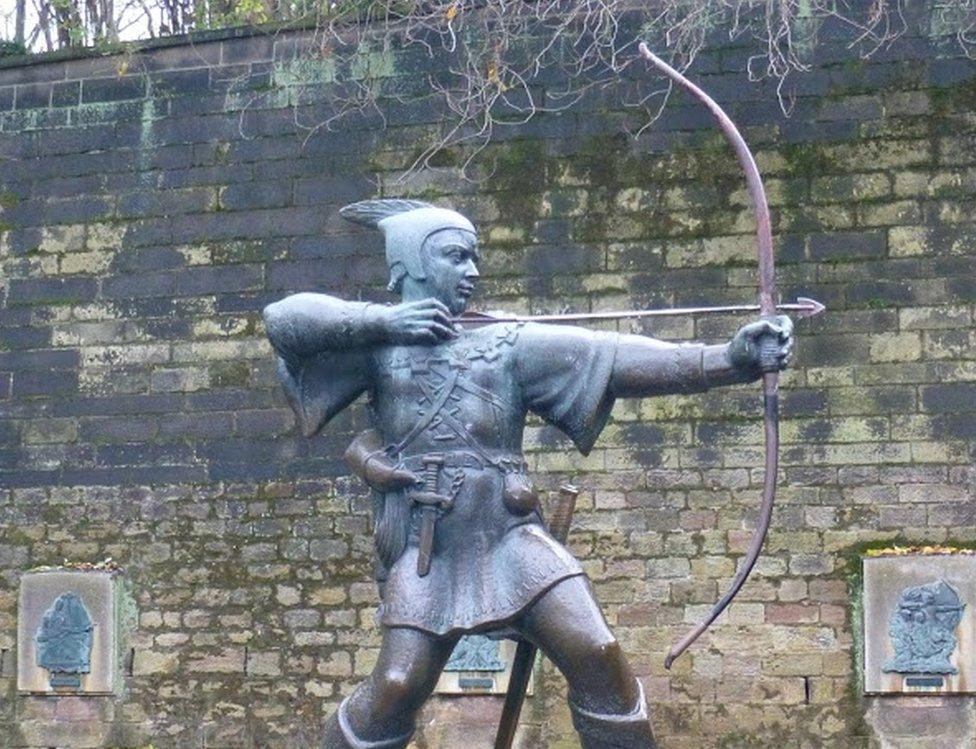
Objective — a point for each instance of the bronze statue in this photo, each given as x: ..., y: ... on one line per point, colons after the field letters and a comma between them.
x: 460, y: 540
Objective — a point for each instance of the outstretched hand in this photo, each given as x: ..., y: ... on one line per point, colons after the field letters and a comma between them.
x: 762, y: 346
x: 425, y: 322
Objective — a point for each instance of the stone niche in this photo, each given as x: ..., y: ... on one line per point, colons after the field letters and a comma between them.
x: 920, y: 624
x: 67, y: 632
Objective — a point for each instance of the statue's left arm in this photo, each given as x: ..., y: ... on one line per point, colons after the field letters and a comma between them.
x: 646, y: 366
x: 571, y: 376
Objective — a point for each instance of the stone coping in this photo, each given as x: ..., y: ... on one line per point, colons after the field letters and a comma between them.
x: 907, y: 551
x: 148, y: 45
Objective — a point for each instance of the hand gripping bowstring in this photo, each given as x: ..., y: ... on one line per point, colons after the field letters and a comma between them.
x: 767, y: 308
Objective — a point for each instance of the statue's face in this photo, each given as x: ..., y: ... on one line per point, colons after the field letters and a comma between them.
x: 450, y: 258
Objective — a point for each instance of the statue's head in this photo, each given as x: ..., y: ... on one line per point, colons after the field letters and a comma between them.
x: 431, y: 249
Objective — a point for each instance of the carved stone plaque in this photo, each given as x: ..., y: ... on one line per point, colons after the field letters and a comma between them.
x: 66, y: 633
x: 919, y: 623
x: 479, y: 665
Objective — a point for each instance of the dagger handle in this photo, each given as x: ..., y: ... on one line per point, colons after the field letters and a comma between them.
x: 428, y: 512
x: 432, y: 467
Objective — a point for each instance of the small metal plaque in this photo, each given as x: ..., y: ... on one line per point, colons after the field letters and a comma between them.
x: 919, y: 623
x: 924, y: 683
x: 479, y: 665
x: 469, y: 683
x: 66, y: 633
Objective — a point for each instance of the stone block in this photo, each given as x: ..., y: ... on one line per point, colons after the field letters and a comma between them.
x: 116, y: 88
x: 263, y: 663
x: 847, y: 246
x: 76, y: 734
x: 890, y: 347
x: 44, y: 431
x: 922, y: 722
x: 51, y: 290
x: 224, y: 661
x: 33, y: 95
x: 951, y: 397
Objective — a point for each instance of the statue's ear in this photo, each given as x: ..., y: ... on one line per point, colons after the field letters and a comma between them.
x: 397, y: 273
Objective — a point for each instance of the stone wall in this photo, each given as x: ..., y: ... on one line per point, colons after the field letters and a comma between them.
x: 151, y: 204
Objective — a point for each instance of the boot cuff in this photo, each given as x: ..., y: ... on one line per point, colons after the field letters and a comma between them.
x: 354, y: 742
x: 615, y: 731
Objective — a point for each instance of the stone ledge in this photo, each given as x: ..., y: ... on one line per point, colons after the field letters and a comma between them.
x: 148, y: 45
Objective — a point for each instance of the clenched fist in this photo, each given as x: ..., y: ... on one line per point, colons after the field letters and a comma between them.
x: 762, y: 346
x: 425, y: 322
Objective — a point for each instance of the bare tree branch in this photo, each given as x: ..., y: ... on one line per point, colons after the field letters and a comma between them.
x: 493, y: 64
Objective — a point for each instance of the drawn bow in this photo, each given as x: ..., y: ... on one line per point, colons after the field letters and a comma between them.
x: 767, y: 308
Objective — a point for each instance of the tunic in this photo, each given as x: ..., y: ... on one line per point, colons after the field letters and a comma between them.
x: 467, y: 400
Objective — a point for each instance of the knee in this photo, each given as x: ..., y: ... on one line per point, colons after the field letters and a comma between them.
x: 602, y: 653
x: 386, y: 704
x: 394, y: 685
x: 400, y: 689
x: 602, y: 679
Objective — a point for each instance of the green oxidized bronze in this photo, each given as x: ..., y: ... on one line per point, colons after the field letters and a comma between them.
x: 64, y: 641
x: 923, y: 630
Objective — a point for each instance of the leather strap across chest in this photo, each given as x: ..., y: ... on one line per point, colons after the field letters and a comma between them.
x: 427, y: 417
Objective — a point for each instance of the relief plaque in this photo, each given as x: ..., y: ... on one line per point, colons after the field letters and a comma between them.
x: 479, y: 665
x: 67, y: 635
x: 918, y: 623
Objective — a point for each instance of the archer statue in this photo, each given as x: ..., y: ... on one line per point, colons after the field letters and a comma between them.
x: 461, y: 544
x: 459, y: 535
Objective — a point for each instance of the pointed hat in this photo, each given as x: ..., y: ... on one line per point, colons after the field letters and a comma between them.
x: 405, y: 225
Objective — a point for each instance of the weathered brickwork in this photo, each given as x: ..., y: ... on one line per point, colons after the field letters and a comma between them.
x: 151, y: 205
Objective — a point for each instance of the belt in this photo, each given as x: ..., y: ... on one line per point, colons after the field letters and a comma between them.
x: 504, y: 462
x: 430, y: 504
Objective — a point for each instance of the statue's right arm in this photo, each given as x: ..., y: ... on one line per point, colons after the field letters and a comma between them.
x: 302, y: 325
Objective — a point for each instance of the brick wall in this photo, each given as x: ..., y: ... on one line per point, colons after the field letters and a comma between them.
x: 152, y: 204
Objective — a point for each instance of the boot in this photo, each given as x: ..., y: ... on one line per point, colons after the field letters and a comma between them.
x: 339, y: 735
x: 610, y: 731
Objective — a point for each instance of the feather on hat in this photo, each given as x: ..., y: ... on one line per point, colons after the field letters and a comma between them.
x: 371, y: 212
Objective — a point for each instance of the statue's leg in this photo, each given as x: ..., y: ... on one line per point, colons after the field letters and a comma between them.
x: 606, y: 700
x: 380, y: 714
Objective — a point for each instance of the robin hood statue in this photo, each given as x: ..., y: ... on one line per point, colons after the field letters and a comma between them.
x: 460, y: 541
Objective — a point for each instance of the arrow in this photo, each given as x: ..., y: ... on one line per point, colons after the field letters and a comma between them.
x: 803, y: 307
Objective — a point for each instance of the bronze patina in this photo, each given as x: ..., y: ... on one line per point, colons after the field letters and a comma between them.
x: 460, y: 540
x: 923, y: 630
x: 459, y: 534
x: 64, y: 641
